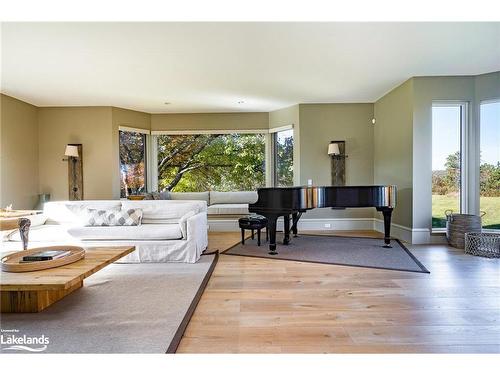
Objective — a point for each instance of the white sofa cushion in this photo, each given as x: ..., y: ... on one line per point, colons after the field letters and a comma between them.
x: 228, y: 209
x: 195, y: 196
x: 139, y: 232
x: 233, y: 197
x: 43, y: 233
x: 164, y: 211
x: 60, y: 212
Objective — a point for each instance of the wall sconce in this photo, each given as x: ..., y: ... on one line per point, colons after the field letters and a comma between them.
x: 75, y: 171
x: 336, y: 150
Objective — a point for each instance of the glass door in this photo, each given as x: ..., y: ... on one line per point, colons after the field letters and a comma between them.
x: 489, y: 166
x: 448, y: 195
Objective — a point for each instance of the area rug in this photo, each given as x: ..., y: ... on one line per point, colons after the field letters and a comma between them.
x: 346, y: 251
x: 124, y: 308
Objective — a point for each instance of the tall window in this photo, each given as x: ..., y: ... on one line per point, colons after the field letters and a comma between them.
x: 489, y: 182
x: 283, y: 158
x: 447, y: 193
x: 132, y: 163
x: 200, y: 162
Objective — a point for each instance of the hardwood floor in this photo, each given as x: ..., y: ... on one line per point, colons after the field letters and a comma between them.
x: 254, y: 305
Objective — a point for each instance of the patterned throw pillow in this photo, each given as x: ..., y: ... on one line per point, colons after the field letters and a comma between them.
x: 95, y: 218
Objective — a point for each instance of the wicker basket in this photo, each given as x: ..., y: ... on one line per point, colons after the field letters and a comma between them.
x: 483, y: 244
x: 459, y: 224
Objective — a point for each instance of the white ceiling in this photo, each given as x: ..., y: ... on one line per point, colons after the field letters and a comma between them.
x: 210, y: 67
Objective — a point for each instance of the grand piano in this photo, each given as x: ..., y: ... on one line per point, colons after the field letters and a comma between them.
x: 292, y: 202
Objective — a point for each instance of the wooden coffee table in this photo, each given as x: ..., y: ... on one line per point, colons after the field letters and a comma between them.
x: 34, y: 291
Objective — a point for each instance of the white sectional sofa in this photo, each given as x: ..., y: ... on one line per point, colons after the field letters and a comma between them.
x: 171, y: 230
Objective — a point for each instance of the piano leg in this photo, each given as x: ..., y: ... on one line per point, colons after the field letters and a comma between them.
x: 295, y: 219
x: 286, y: 229
x: 387, y: 212
x: 272, y: 234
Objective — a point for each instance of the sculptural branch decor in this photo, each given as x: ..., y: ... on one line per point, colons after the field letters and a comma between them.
x: 24, y: 230
x: 336, y: 150
x: 75, y: 171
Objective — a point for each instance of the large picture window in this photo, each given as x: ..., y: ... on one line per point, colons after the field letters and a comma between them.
x: 489, y: 169
x: 132, y: 163
x: 283, y: 158
x: 201, y: 162
x: 447, y: 172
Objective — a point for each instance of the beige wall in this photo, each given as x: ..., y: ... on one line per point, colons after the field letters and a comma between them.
x: 90, y: 126
x: 284, y: 116
x: 396, y: 150
x: 392, y: 160
x: 210, y: 121
x: 322, y: 123
x: 403, y: 139
x: 18, y: 154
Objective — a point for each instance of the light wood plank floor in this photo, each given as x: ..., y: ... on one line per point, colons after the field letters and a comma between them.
x: 254, y: 305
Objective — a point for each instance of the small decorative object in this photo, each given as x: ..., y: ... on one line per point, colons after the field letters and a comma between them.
x: 136, y: 197
x: 459, y: 224
x: 483, y: 244
x: 75, y: 171
x: 336, y: 149
x: 13, y: 262
x: 24, y: 230
x: 42, y: 199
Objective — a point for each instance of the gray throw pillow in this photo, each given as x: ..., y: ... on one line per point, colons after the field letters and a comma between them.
x: 95, y: 218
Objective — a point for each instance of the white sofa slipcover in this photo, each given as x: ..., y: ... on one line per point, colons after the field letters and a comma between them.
x: 172, y: 231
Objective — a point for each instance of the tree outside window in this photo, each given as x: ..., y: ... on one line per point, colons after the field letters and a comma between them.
x: 132, y: 163
x: 201, y: 162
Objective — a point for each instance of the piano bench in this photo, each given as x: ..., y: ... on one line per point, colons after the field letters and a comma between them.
x: 253, y: 222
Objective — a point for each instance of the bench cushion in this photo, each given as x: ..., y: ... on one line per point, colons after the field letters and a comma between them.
x: 233, y: 197
x: 228, y: 209
x: 201, y: 196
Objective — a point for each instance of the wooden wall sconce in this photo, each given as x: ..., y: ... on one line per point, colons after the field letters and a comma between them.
x: 336, y: 150
x: 74, y: 158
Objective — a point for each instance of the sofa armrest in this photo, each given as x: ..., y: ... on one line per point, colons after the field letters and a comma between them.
x: 197, y: 231
x: 183, y: 223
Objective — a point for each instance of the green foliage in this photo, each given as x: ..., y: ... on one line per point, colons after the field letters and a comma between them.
x: 203, y: 162
x: 284, y: 161
x: 448, y: 181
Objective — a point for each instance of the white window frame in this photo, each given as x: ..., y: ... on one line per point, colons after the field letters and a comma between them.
x: 478, y: 155
x: 272, y: 151
x: 464, y: 151
x: 153, y: 158
x: 149, y: 154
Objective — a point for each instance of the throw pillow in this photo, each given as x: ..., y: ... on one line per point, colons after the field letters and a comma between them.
x: 95, y: 218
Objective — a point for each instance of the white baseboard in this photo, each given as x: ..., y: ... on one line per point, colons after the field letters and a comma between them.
x: 336, y: 224
x: 413, y: 236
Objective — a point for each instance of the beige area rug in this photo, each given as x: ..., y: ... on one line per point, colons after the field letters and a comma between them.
x: 124, y: 308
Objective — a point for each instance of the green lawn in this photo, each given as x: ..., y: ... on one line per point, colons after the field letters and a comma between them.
x: 441, y: 203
